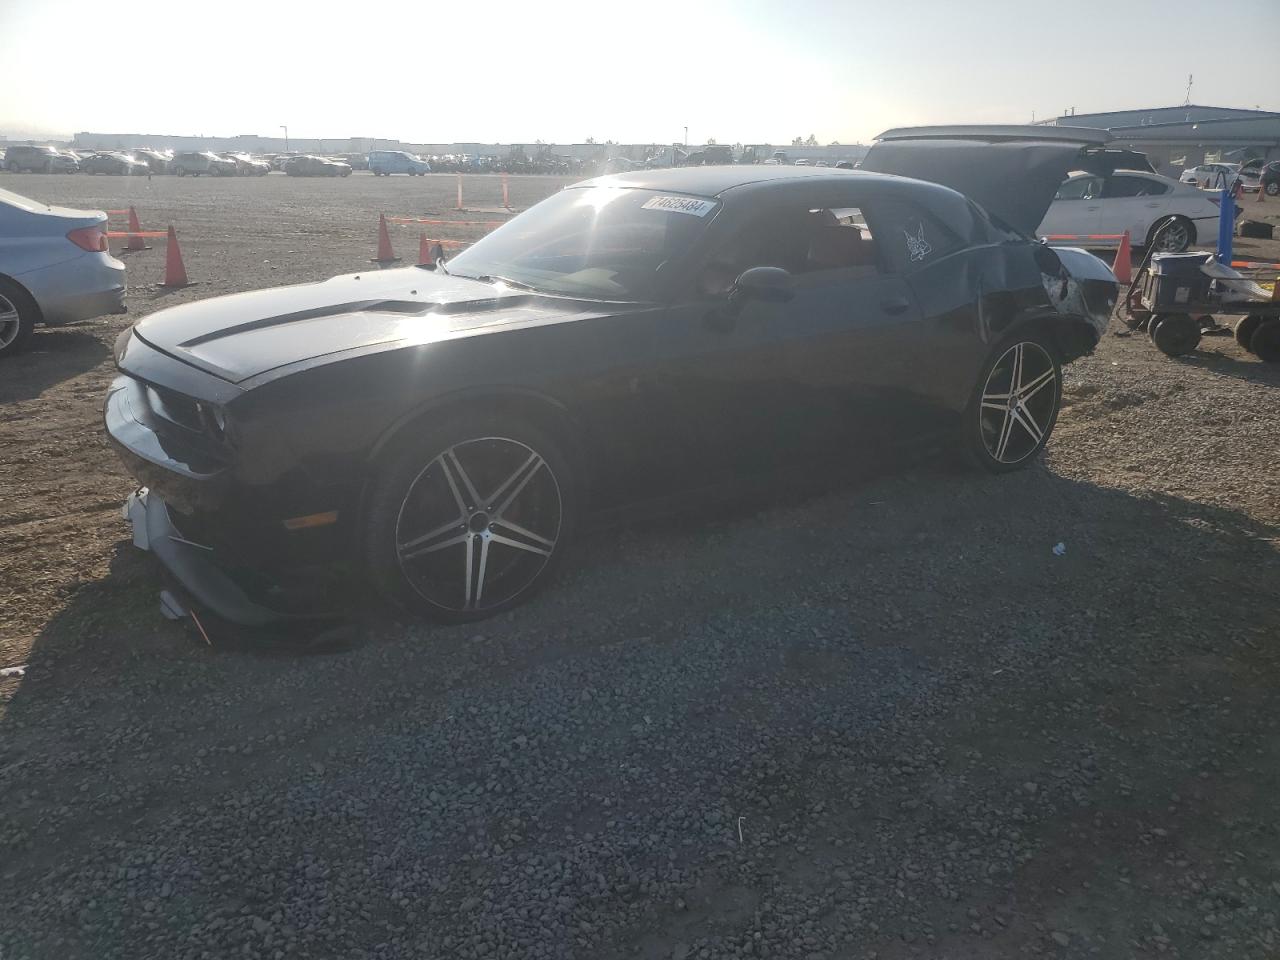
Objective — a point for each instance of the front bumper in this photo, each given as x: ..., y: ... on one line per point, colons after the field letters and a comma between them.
x: 222, y: 541
x: 194, y: 566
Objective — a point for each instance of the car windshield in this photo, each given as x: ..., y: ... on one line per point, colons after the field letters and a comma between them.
x: 608, y: 243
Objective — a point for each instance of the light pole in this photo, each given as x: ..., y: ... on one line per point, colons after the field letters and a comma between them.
x: 286, y: 137
x: 686, y: 136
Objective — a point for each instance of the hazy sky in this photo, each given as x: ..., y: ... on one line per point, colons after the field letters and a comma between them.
x: 563, y: 70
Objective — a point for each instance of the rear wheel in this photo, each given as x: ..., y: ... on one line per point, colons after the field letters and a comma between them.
x: 1273, y: 188
x: 1172, y: 236
x: 1015, y: 406
x: 1266, y: 341
x: 17, y: 318
x: 1245, y: 330
x: 471, y: 519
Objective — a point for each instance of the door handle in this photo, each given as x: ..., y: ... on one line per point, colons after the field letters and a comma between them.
x: 894, y: 304
x: 1094, y: 207
x: 1153, y: 205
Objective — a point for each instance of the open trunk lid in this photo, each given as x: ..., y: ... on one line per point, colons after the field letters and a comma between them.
x: 1013, y: 172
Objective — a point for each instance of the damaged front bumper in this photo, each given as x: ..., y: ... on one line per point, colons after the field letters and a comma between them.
x: 195, y: 567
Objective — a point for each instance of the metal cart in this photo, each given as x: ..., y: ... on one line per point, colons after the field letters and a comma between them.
x: 1175, y: 303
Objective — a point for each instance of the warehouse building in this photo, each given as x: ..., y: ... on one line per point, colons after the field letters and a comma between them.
x: 1175, y: 138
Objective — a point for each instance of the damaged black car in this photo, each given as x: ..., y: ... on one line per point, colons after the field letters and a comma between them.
x: 440, y: 432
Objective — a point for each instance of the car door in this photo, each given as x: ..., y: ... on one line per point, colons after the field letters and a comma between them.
x: 1076, y: 210
x: 1132, y: 203
x: 770, y: 384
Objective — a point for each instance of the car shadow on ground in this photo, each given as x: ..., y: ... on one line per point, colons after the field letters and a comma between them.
x: 53, y: 354
x: 955, y: 576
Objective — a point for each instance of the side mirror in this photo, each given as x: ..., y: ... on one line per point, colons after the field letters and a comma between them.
x: 766, y: 284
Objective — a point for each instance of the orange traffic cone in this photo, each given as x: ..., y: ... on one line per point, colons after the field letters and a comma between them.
x: 385, y: 253
x: 424, y: 251
x: 175, y: 273
x: 135, y: 242
x: 1123, y: 268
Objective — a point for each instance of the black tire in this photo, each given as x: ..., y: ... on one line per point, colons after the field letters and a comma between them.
x: 1265, y: 343
x: 12, y: 166
x: 1245, y: 329
x: 421, y: 504
x: 1179, y: 236
x: 18, y: 315
x: 996, y: 436
x: 1175, y: 334
x: 1273, y: 188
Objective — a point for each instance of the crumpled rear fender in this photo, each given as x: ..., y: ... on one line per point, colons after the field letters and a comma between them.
x: 1085, y: 290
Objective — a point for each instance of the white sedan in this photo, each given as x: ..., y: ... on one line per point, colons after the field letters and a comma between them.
x: 1211, y: 176
x: 1093, y: 211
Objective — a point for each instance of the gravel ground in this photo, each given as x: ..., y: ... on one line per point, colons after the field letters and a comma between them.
x: 886, y: 720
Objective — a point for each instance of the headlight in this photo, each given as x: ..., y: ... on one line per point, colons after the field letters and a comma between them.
x: 214, y: 418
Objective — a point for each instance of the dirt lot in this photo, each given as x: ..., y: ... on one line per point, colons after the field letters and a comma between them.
x: 887, y: 721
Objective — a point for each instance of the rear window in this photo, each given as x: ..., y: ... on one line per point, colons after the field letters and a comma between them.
x: 1118, y: 187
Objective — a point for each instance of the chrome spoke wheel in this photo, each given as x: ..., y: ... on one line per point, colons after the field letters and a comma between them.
x: 1019, y: 403
x: 10, y: 323
x: 1173, y: 238
x: 478, y: 524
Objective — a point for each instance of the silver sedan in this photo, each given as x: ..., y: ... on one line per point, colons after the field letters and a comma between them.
x: 54, y: 268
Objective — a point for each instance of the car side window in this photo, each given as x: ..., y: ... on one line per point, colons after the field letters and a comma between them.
x: 803, y: 240
x: 912, y: 237
x: 1122, y: 186
x: 1080, y: 188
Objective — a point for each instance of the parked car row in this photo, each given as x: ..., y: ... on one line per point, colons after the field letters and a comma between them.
x: 22, y: 158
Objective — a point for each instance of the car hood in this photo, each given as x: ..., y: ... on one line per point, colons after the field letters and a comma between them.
x: 1015, y: 181
x: 245, y: 335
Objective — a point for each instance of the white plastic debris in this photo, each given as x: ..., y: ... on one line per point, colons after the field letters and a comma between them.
x: 1234, y: 282
x: 1059, y: 549
x: 17, y: 671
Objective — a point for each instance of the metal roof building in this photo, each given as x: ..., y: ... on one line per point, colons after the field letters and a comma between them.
x: 1174, y: 138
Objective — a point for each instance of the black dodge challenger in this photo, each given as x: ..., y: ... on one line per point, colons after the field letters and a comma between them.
x: 440, y: 431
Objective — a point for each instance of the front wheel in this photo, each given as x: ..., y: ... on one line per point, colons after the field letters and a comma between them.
x: 1014, y: 406
x: 1174, y: 334
x: 471, y: 519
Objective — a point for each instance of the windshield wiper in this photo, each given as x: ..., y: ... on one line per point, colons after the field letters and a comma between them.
x: 518, y: 284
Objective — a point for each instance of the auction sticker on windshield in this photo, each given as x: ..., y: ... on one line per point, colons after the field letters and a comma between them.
x: 699, y: 208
